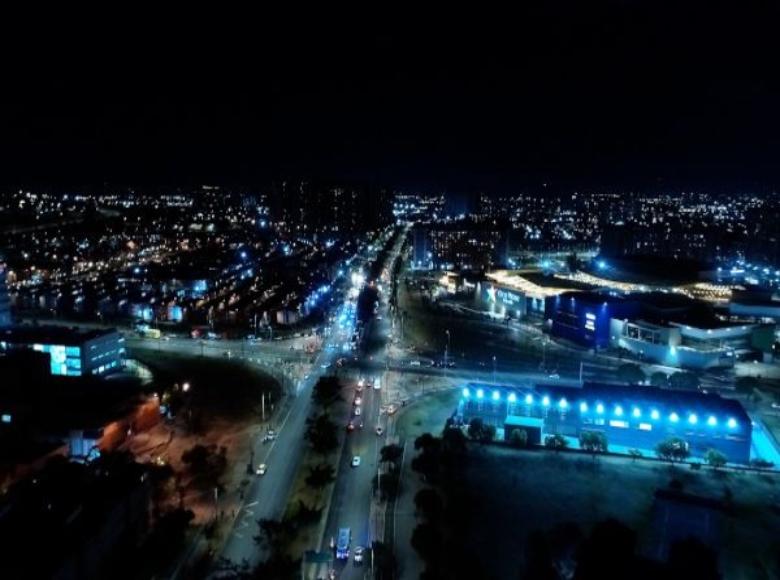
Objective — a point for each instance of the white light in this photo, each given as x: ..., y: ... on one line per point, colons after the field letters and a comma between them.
x: 732, y: 423
x: 496, y: 395
x: 480, y: 393
x: 654, y: 414
x: 512, y: 397
x: 529, y: 399
x: 583, y: 407
x: 546, y: 401
x: 185, y: 387
x: 674, y: 418
x: 636, y: 412
x: 563, y: 403
x: 692, y: 419
x: 619, y: 411
x: 599, y: 408
x: 712, y: 421
x: 466, y: 393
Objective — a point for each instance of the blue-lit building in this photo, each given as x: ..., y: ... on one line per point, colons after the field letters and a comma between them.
x: 584, y: 317
x: 5, y: 302
x: 630, y: 417
x: 73, y: 352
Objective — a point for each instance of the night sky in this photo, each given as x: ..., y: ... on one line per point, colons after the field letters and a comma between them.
x: 625, y: 95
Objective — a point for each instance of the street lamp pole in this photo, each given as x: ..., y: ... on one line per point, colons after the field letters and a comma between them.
x: 447, y: 348
x: 494, y: 368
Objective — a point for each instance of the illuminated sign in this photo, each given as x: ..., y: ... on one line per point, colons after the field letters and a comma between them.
x: 590, y: 321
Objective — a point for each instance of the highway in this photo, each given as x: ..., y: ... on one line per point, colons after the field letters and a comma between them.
x: 353, y: 492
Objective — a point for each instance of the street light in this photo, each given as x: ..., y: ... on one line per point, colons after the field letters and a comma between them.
x: 185, y: 386
x: 494, y: 368
x: 447, y: 348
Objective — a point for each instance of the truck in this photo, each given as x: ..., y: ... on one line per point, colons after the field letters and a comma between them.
x: 342, y: 545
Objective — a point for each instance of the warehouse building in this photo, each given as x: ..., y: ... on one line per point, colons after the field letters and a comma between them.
x: 630, y: 417
x: 73, y: 352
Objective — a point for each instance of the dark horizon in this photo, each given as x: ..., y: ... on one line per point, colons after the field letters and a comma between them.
x: 627, y: 96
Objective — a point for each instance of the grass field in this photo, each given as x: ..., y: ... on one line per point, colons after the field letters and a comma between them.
x: 514, y: 492
x: 221, y: 389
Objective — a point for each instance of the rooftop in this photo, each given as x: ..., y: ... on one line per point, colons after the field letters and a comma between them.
x: 61, y: 335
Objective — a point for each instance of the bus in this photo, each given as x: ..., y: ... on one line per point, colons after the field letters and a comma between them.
x: 342, y: 546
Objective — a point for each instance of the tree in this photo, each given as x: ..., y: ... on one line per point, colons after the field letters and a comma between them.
x: 481, y: 432
x: 690, y: 558
x: 593, y: 441
x: 426, y: 464
x: 326, y: 391
x: 320, y: 476
x: 630, y: 373
x: 321, y: 434
x: 672, y: 450
x: 634, y: 454
x: 429, y: 504
x: 609, y: 552
x: 475, y: 428
x: 387, y: 483
x: 518, y: 437
x: 762, y: 464
x: 425, y: 442
x: 659, y: 379
x: 714, y: 458
x: 384, y: 561
x: 555, y: 442
x: 206, y: 463
x: 391, y: 453
x: 426, y: 540
x: 274, y: 534
x: 453, y: 441
x: 684, y: 381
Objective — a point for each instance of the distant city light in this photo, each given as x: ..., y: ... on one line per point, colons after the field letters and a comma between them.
x: 712, y: 421
x: 619, y: 411
x: 480, y: 393
x: 496, y: 395
x: 546, y: 401
x: 674, y: 418
x: 529, y: 399
x: 636, y: 412
x: 654, y: 414
x: 583, y: 407
x: 732, y: 423
x: 466, y: 393
x: 693, y: 419
x: 512, y: 398
x: 563, y: 403
x: 600, y: 409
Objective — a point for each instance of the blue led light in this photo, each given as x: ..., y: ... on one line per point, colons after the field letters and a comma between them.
x: 529, y: 399
x: 563, y: 403
x: 636, y: 412
x: 546, y: 401
x: 466, y: 393
x: 732, y: 423
x: 599, y: 408
x: 674, y: 418
x: 512, y: 398
x: 583, y: 407
x: 496, y: 395
x: 693, y: 419
x: 619, y: 411
x: 480, y: 393
x: 654, y: 414
x: 712, y: 421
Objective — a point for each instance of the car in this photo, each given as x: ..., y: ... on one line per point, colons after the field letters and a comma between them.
x: 379, y: 431
x: 358, y: 401
x: 553, y: 376
x: 261, y: 469
x: 450, y: 365
x: 358, y: 411
x: 391, y: 409
x: 377, y: 384
x: 776, y: 405
x: 360, y: 384
x: 414, y: 363
x: 325, y: 365
x: 350, y: 426
x: 356, y: 461
x: 358, y: 554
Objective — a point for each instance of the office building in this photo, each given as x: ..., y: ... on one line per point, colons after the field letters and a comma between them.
x: 72, y: 352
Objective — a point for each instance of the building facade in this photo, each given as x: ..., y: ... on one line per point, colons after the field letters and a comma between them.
x: 72, y: 352
x: 5, y: 301
x: 630, y: 417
